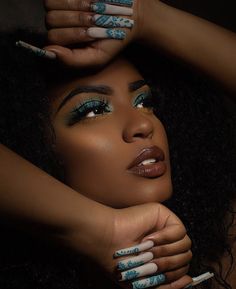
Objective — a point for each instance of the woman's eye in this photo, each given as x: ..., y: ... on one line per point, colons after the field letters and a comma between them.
x: 144, y: 100
x: 88, y: 109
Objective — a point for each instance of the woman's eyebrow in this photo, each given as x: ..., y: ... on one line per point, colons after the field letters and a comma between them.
x: 137, y: 84
x: 103, y: 89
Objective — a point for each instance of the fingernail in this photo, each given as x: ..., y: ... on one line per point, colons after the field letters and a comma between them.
x: 147, y: 269
x: 135, y: 249
x: 199, y: 279
x: 135, y: 261
x: 95, y: 32
x: 102, y: 8
x: 112, y: 21
x: 128, y: 3
x: 36, y: 50
x: 148, y: 282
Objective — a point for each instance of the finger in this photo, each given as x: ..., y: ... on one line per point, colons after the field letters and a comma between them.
x: 178, y: 284
x: 102, y: 8
x: 68, y: 36
x: 81, y: 5
x: 173, y: 262
x: 158, y: 280
x: 102, y: 33
x: 172, y: 248
x: 93, y: 55
x: 176, y: 274
x: 128, y: 3
x: 145, y: 270
x: 134, y: 249
x: 168, y: 234
x: 36, y: 50
x: 151, y: 281
x: 136, y: 261
x: 65, y: 19
x: 78, y: 58
x: 112, y: 21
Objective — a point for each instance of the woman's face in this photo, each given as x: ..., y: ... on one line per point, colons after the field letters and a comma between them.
x: 114, y: 149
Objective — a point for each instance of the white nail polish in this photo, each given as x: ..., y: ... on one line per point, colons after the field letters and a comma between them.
x: 102, y: 8
x: 36, y: 50
x: 147, y: 269
x: 135, y: 249
x: 96, y: 32
x: 155, y: 280
x: 112, y: 21
x: 199, y: 279
x: 135, y: 261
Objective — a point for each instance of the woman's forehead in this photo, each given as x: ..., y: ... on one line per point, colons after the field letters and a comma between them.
x: 119, y: 73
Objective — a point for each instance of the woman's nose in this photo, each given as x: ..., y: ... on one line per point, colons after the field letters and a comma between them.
x: 137, y: 126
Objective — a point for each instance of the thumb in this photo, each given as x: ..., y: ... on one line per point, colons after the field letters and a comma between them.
x: 76, y: 58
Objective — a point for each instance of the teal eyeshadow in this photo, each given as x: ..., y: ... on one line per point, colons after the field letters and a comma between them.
x: 80, y: 111
x: 142, y: 97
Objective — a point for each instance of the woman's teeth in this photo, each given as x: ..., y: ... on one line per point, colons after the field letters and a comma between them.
x: 147, y: 162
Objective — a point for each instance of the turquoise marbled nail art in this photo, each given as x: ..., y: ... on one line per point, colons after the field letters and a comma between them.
x: 122, y: 266
x: 133, y: 250
x: 99, y: 7
x: 130, y: 275
x: 115, y: 34
x: 148, y: 282
x: 119, y: 2
x: 112, y: 21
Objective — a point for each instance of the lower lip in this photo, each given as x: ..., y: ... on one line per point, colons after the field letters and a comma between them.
x: 150, y: 171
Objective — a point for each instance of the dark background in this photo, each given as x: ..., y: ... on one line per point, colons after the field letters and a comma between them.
x: 24, y: 13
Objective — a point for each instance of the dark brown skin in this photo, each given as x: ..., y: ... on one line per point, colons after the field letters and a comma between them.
x: 97, y: 150
x: 28, y: 200
x: 195, y: 41
x: 200, y: 43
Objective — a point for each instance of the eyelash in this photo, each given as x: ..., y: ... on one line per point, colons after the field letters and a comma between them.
x: 102, y: 106
x: 146, y: 99
x: 80, y: 112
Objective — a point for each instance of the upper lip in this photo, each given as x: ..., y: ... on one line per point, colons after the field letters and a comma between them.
x: 153, y: 152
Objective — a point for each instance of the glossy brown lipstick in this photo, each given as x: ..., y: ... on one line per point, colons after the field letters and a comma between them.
x: 149, y: 163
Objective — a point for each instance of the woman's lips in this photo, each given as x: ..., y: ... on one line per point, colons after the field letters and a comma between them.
x: 152, y: 169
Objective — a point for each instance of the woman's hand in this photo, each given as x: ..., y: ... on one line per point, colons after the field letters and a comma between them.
x: 165, y: 256
x: 72, y: 23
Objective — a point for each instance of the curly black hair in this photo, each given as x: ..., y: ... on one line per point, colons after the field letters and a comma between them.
x: 202, y: 149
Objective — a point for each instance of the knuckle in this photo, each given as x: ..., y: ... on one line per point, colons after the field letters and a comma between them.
x: 83, y: 19
x: 50, y: 18
x: 190, y: 254
x: 52, y: 36
x: 163, y: 264
x: 161, y: 251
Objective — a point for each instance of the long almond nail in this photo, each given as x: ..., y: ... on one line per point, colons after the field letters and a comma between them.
x: 135, y: 249
x: 102, y: 8
x: 128, y: 3
x: 96, y: 32
x: 147, y: 269
x: 135, y: 261
x: 112, y: 21
x: 149, y: 282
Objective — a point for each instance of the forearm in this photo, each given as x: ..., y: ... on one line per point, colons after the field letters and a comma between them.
x: 36, y: 201
x: 202, y: 44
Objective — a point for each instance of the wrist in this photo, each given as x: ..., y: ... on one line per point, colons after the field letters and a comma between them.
x: 148, y: 19
x: 90, y: 228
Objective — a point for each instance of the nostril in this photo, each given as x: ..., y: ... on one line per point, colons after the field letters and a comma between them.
x: 139, y: 135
